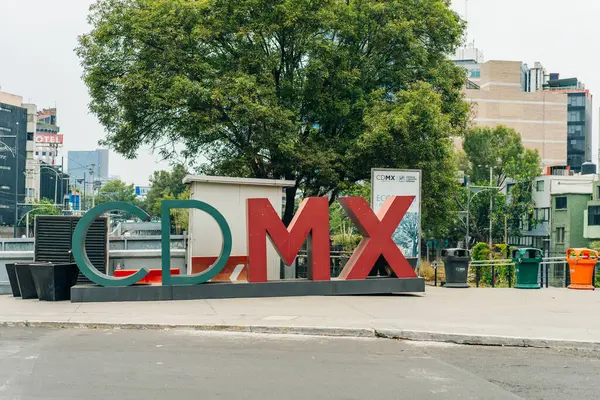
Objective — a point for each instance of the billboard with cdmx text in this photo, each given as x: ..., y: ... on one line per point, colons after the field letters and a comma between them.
x: 386, y: 183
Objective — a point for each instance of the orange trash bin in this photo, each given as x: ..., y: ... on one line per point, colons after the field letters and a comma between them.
x: 581, y: 267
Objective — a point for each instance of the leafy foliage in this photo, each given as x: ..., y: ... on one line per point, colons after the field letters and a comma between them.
x: 317, y: 92
x: 117, y: 190
x: 513, y: 168
x: 180, y: 217
x: 481, y: 251
x: 165, y: 185
x: 43, y: 207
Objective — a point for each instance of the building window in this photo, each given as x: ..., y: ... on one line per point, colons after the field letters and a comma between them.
x: 576, y: 101
x: 575, y: 116
x: 575, y: 130
x: 594, y: 215
x: 539, y: 186
x: 561, y: 203
x: 560, y: 235
x: 542, y: 214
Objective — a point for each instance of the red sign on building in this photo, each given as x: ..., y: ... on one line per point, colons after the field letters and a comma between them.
x: 48, y: 138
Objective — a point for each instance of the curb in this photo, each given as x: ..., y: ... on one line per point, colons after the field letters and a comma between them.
x: 486, y: 340
x: 394, y: 334
x: 273, y: 330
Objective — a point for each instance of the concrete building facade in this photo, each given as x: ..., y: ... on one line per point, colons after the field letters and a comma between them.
x: 82, y: 164
x: 591, y: 216
x: 568, y: 211
x: 13, y: 151
x: 579, y: 117
x: 505, y: 96
x: 538, y: 227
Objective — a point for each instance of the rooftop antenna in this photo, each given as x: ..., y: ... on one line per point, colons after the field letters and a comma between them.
x: 467, y: 20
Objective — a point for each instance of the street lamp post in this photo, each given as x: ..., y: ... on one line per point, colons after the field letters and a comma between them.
x: 469, y: 198
x: 491, y: 203
x: 16, y: 157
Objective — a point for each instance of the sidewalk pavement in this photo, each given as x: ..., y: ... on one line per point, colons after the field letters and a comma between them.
x: 537, y: 318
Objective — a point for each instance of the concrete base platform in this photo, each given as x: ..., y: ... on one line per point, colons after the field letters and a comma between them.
x: 94, y: 293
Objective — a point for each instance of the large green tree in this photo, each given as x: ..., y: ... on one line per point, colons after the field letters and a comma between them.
x: 313, y: 91
x: 513, y: 169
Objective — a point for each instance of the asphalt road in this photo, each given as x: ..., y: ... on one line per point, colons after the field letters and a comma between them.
x: 132, y: 364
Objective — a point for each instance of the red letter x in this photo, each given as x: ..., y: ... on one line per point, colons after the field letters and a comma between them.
x: 377, y: 231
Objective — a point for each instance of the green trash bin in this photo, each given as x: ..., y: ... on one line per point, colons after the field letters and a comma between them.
x: 527, y: 266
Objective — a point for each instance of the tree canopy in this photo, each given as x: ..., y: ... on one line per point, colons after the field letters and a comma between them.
x: 317, y: 92
x: 116, y: 190
x: 165, y: 185
x: 514, y: 169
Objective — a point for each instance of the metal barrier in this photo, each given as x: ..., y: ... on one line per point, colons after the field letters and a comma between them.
x: 338, y: 260
x: 546, y: 265
x: 554, y: 271
x: 494, y: 265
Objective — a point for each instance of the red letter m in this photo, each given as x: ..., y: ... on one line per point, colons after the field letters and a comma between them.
x: 310, y: 222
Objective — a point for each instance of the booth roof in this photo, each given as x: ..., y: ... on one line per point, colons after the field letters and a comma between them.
x: 226, y: 180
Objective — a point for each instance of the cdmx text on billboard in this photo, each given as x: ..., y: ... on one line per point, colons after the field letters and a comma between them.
x: 310, y: 224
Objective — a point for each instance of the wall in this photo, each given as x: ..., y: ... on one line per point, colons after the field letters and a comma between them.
x: 540, y: 117
x: 115, y: 243
x: 11, y: 99
x: 592, y: 232
x: 572, y: 220
x: 13, y: 122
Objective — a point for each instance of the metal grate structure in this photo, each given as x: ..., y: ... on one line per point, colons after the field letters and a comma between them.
x: 53, y: 237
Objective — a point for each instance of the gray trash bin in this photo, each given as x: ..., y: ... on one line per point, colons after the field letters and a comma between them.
x: 456, y: 265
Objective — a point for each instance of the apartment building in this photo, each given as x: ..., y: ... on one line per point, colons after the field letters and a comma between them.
x: 503, y: 96
x: 553, y: 115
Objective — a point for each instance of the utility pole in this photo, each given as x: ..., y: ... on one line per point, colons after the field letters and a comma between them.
x: 491, y: 204
x: 84, y: 205
x: 16, y: 179
x: 93, y: 186
x: 468, y: 214
x: 62, y: 182
x: 55, y: 187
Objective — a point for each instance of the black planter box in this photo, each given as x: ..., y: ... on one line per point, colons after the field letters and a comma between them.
x: 53, y: 282
x: 26, y: 285
x: 12, y: 278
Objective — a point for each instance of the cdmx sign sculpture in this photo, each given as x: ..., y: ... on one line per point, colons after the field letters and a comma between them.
x: 310, y: 223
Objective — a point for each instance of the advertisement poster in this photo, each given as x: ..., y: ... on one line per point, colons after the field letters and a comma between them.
x: 394, y: 182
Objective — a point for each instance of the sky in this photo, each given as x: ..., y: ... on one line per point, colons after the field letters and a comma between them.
x: 37, y: 38
x: 37, y: 61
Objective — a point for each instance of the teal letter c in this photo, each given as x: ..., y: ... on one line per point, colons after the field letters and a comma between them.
x: 80, y: 254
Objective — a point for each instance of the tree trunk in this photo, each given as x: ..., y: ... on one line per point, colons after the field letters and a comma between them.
x: 290, y: 203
